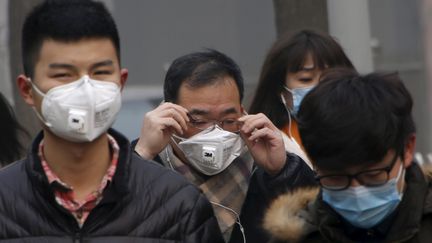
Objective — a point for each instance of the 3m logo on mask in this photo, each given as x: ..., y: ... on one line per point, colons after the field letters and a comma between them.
x: 209, y: 155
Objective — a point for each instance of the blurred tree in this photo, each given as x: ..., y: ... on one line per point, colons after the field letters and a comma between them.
x: 294, y: 15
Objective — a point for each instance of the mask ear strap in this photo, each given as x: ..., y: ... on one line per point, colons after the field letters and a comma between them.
x: 35, y: 87
x: 401, y: 172
x: 41, y: 118
x: 289, y: 114
x: 287, y: 89
x: 168, y: 158
x: 401, y: 176
x: 34, y: 109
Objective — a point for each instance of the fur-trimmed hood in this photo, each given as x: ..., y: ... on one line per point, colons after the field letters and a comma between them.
x: 289, y: 217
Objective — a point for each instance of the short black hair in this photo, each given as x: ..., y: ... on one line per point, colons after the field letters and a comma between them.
x: 200, y: 69
x: 10, y: 145
x: 288, y: 54
x: 350, y: 119
x: 65, y: 20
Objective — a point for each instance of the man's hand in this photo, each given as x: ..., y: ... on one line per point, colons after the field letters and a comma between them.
x: 264, y: 141
x: 158, y: 126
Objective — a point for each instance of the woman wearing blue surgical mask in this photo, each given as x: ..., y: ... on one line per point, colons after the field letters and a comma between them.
x: 291, y: 69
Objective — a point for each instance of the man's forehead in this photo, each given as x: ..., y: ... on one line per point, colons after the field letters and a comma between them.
x: 226, y: 83
x: 217, y: 98
x: 54, y: 45
x: 352, y: 169
x: 91, y: 50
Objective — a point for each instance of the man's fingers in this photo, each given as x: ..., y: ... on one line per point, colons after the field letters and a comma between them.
x: 174, y: 114
x: 261, y: 133
x: 253, y: 122
x: 170, y: 110
x: 171, y: 123
x: 180, y: 109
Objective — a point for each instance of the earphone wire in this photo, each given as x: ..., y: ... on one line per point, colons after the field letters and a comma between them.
x: 289, y: 115
x: 238, y: 222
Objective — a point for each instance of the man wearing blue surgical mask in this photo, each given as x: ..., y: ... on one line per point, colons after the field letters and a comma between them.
x: 360, y: 135
x: 203, y: 132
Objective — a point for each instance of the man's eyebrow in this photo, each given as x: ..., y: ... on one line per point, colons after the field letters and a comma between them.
x: 198, y: 112
x: 228, y: 111
x: 72, y: 67
x: 102, y: 63
x: 201, y: 112
x: 62, y: 66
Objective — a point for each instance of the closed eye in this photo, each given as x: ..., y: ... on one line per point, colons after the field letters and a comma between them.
x: 61, y: 75
x: 103, y: 72
x: 305, y: 80
x: 198, y: 122
x: 229, y: 121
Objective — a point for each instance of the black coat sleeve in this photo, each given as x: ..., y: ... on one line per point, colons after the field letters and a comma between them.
x: 295, y: 174
x: 202, y: 225
x: 263, y: 188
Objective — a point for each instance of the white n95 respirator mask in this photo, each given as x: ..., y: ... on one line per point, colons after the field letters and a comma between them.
x: 212, y: 150
x: 82, y: 110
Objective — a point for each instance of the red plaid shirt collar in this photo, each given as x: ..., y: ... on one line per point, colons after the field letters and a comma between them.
x: 64, y: 193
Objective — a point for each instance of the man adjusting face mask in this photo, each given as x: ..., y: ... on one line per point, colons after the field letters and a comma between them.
x: 80, y: 111
x: 203, y: 132
x: 212, y: 150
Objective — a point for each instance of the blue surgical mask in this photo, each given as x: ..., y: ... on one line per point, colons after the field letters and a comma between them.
x: 365, y: 207
x: 297, y: 95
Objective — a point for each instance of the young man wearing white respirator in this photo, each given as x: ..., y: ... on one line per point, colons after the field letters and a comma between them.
x: 80, y: 181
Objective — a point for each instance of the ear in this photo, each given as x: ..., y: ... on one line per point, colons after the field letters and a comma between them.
x: 25, y: 89
x: 124, y: 73
x: 409, y: 150
x: 242, y: 110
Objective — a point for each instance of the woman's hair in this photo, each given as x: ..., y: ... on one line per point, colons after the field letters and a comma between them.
x: 10, y: 146
x: 288, y: 54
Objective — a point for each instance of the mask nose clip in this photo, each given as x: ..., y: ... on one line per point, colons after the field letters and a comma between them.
x: 86, y: 78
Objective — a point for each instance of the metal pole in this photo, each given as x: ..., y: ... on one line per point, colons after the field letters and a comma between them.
x: 349, y: 23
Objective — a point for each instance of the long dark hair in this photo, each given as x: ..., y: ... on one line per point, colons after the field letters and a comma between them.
x: 10, y: 146
x: 288, y: 54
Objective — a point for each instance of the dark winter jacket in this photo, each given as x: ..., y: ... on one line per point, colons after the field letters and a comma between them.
x: 144, y: 203
x: 263, y: 188
x: 304, y: 217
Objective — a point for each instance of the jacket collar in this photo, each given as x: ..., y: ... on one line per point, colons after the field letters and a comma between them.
x: 116, y: 190
x: 410, y: 211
